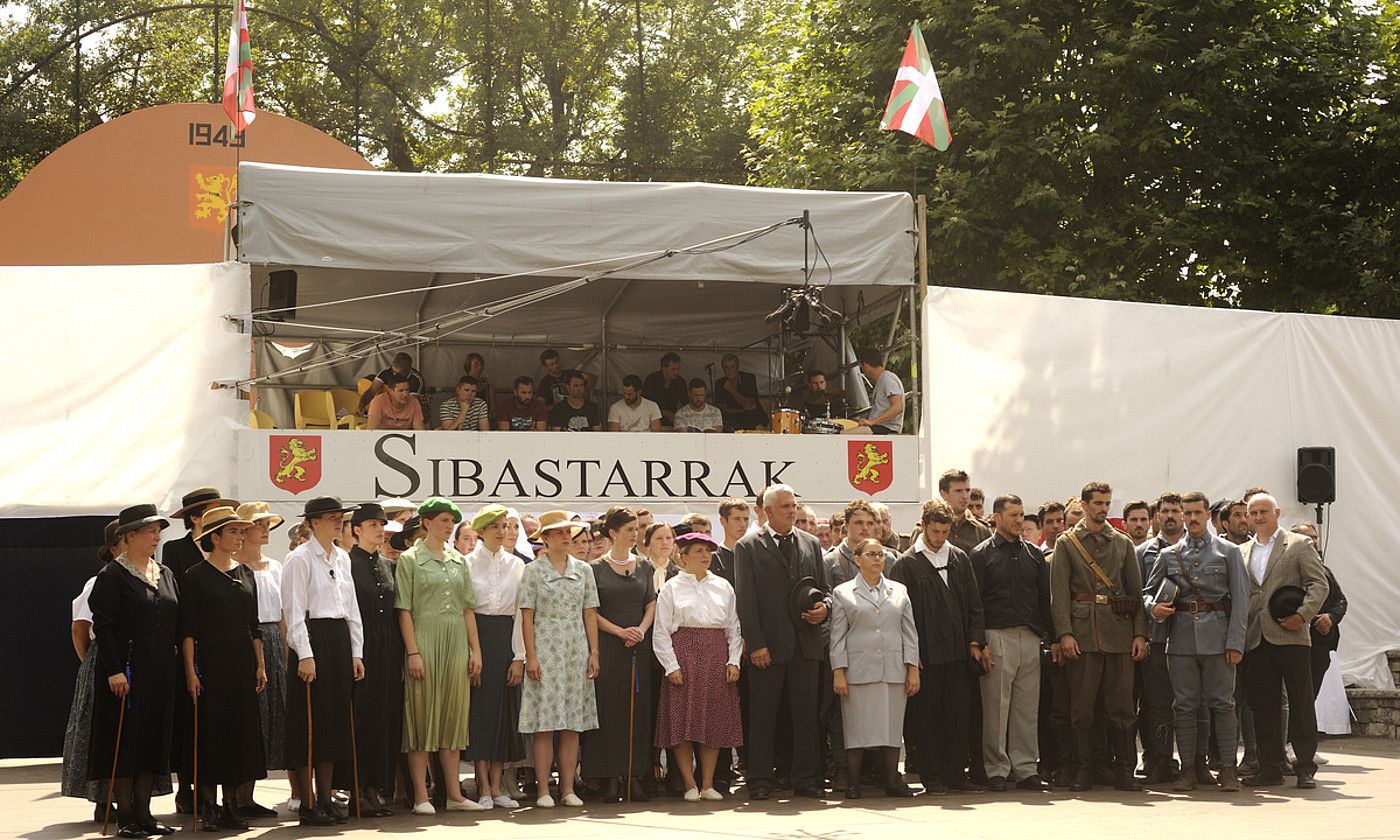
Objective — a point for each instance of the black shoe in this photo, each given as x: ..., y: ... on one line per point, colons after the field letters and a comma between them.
x: 963, y: 786
x: 210, y: 816
x: 157, y: 829
x: 641, y: 794
x: 229, y: 818
x: 98, y: 812
x: 254, y: 811
x: 1306, y: 781
x: 1263, y: 779
x: 1160, y: 774
x: 933, y: 784
x: 340, y: 814
x: 810, y: 791
x: 315, y: 816
x: 898, y: 791
x: 853, y: 792
x: 132, y: 830
x: 760, y: 791
x: 1127, y: 781
x: 1032, y: 782
x: 611, y: 792
x: 184, y: 802
x: 996, y: 784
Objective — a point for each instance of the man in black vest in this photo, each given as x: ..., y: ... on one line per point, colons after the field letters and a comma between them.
x: 784, y: 648
x: 948, y: 616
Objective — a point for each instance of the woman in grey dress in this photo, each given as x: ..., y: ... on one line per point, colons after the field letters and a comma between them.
x: 874, y: 664
x: 559, y: 622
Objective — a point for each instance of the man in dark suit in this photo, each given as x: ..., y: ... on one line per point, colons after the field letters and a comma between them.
x: 948, y: 616
x: 733, y: 523
x: 784, y: 650
x: 1278, y: 650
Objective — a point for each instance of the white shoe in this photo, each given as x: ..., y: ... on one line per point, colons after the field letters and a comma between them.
x: 294, y: 805
x: 711, y: 795
x: 503, y: 802
x: 426, y: 809
x: 692, y: 795
x: 545, y: 801
x: 1320, y: 759
x: 571, y: 799
x: 466, y: 805
x: 485, y: 803
x: 1289, y: 756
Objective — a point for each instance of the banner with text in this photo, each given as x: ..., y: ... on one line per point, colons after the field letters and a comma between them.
x: 582, y: 471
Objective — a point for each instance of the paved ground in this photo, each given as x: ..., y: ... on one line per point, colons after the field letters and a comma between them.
x: 1358, y: 797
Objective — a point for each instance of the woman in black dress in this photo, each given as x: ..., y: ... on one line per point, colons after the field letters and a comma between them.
x: 135, y: 605
x: 222, y: 648
x: 379, y: 696
x: 626, y: 607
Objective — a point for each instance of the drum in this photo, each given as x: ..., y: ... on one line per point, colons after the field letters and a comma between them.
x: 823, y: 426
x: 786, y: 421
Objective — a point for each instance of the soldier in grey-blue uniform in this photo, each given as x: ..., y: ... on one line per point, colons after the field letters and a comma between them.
x: 1205, y: 608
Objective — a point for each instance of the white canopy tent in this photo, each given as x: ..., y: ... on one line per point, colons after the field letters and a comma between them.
x: 459, y: 243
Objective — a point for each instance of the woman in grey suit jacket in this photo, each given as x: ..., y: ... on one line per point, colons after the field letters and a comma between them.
x: 874, y: 664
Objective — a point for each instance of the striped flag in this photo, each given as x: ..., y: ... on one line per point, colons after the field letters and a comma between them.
x: 238, y: 72
x: 916, y: 103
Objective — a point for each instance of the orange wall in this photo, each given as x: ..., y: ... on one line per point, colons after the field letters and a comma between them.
x: 149, y: 187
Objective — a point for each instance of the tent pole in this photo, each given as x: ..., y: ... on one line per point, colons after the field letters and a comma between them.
x: 916, y: 311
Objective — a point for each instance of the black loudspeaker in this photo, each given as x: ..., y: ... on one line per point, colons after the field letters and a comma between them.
x: 1317, y: 475
x: 282, y: 295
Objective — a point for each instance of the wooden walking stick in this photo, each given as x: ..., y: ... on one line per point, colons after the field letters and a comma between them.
x: 194, y: 819
x: 631, y: 716
x: 309, y: 795
x: 116, y: 752
x: 354, y: 760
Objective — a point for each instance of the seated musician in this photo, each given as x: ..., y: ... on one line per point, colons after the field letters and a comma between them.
x: 697, y: 415
x: 736, y: 394
x: 817, y: 400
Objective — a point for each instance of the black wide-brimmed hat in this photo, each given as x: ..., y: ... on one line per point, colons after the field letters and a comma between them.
x: 403, y: 540
x: 200, y: 497
x: 803, y: 597
x: 1286, y: 600
x: 326, y: 504
x: 368, y: 511
x: 137, y: 517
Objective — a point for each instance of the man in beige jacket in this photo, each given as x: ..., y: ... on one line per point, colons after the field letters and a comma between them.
x: 1277, y: 650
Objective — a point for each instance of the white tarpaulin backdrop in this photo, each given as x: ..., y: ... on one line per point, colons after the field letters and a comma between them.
x: 497, y: 224
x: 1038, y: 395
x: 107, y: 399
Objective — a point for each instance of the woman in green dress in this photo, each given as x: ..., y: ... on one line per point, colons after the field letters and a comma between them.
x: 559, y: 622
x: 435, y: 603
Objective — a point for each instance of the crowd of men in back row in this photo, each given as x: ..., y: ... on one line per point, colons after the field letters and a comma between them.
x: 663, y: 401
x: 1052, y: 640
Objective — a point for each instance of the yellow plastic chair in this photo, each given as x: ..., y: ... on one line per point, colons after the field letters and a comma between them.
x: 260, y: 420
x: 314, y: 410
x: 346, y: 400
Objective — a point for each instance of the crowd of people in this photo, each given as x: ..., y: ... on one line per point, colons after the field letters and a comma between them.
x: 561, y: 400
x: 623, y: 657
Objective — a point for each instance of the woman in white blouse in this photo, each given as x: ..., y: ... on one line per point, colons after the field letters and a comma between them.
x: 698, y: 643
x: 495, y: 703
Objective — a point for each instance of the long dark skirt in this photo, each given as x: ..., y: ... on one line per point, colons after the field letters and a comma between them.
x: 75, y: 740
x: 621, y: 694
x: 272, y: 703
x: 330, y: 696
x: 145, y: 742
x: 379, y: 705
x: 230, y: 728
x: 495, y: 706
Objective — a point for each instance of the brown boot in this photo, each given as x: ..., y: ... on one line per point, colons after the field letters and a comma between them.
x: 1229, y: 779
x: 1186, y: 781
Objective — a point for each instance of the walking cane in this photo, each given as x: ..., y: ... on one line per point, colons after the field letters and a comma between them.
x: 117, y: 751
x: 631, y: 715
x: 309, y: 795
x: 194, y: 819
x: 354, y: 761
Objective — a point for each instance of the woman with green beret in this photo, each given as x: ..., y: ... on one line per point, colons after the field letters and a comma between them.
x: 435, y: 603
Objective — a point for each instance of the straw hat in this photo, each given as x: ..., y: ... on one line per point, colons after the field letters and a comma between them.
x: 259, y: 512
x: 216, y: 518
x: 554, y: 520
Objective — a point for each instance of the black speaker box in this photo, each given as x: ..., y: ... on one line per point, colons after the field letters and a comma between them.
x: 1317, y: 475
x: 282, y: 295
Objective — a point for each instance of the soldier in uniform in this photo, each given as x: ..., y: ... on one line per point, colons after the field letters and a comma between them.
x: 1096, y: 604
x: 1205, y: 609
x: 955, y: 487
x: 1153, y: 679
